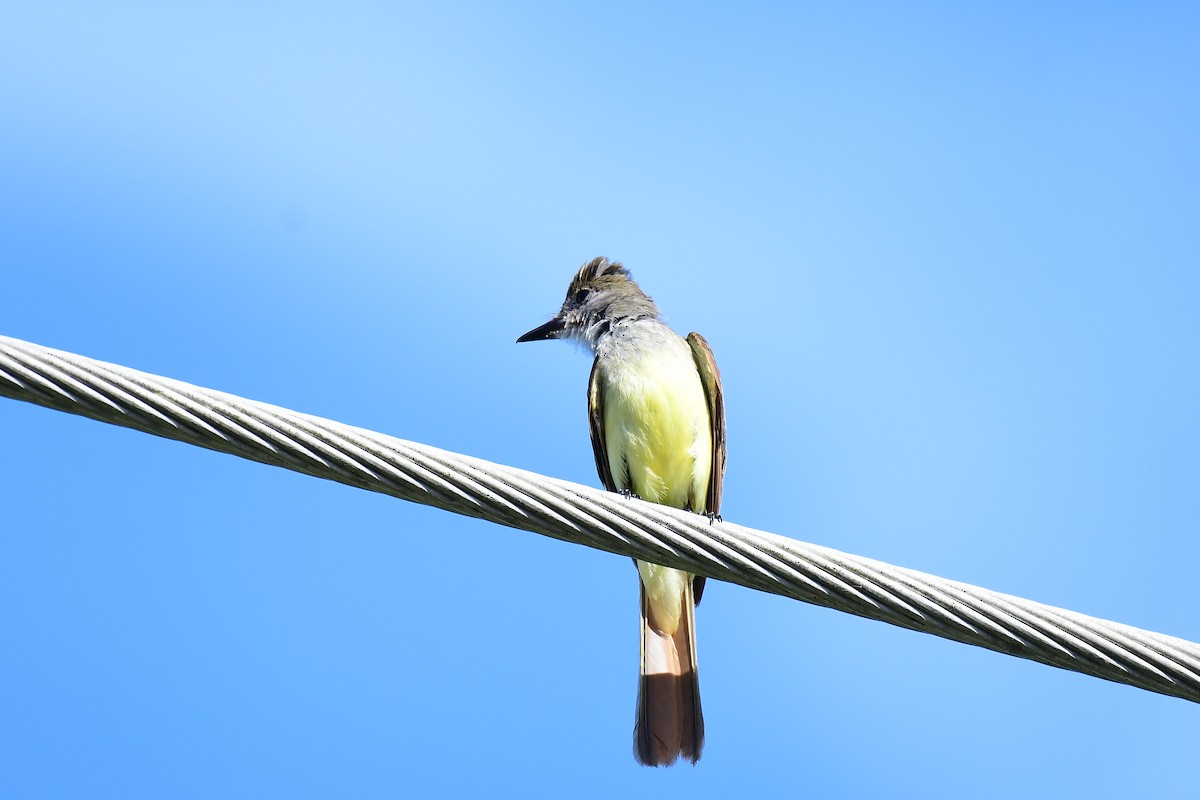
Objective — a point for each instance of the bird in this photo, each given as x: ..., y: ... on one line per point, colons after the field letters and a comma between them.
x: 656, y: 413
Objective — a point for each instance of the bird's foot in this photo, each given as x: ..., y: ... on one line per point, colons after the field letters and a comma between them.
x: 628, y: 493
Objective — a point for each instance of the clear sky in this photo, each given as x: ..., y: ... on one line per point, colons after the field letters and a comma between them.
x: 948, y: 257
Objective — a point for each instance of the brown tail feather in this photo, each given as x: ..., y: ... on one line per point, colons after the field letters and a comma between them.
x: 669, y: 722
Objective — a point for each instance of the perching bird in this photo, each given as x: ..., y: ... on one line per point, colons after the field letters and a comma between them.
x: 657, y: 418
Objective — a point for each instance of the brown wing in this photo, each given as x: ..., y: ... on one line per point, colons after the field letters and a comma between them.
x: 710, y: 376
x: 596, y: 424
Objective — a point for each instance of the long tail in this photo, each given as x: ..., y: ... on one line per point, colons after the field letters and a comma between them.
x: 669, y: 720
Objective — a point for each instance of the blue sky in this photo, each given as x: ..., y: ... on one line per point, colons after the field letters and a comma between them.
x: 947, y: 257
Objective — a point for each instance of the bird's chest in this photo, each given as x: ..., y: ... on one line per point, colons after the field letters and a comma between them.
x: 655, y: 423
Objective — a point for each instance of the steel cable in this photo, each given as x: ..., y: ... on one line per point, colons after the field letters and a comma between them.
x: 603, y: 520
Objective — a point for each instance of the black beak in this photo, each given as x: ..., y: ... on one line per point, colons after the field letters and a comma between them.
x: 551, y: 330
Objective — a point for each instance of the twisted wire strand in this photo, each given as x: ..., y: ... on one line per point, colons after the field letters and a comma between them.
x: 603, y: 520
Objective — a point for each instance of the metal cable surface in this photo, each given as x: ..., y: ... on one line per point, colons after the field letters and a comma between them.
x: 607, y: 521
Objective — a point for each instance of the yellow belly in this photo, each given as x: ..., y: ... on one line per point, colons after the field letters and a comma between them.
x: 659, y: 441
x: 657, y: 429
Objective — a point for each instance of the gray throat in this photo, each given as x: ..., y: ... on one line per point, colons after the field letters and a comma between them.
x: 630, y: 336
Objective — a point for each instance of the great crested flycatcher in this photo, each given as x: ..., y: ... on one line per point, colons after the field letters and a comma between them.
x: 657, y: 418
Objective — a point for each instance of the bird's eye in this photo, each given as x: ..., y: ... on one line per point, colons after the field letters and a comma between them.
x: 582, y: 295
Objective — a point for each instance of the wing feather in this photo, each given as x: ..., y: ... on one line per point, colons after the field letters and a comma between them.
x: 710, y: 377
x: 596, y: 425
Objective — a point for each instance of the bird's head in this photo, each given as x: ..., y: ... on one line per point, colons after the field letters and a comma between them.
x: 601, y: 294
